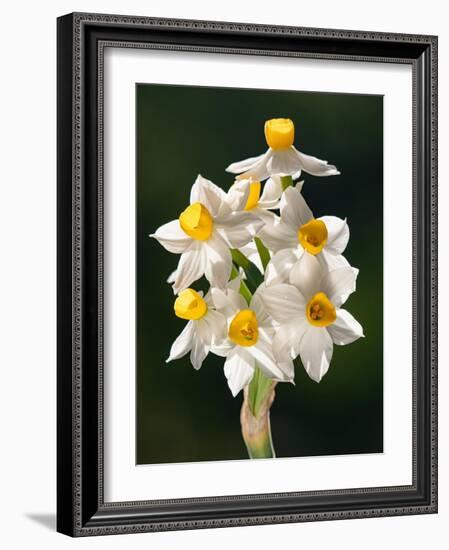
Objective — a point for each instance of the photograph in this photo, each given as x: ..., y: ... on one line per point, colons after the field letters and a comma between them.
x: 259, y: 273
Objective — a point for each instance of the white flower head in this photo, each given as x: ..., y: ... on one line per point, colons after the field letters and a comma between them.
x: 250, y: 332
x: 255, y: 197
x: 281, y: 157
x: 310, y: 316
x: 260, y: 204
x: 297, y: 234
x: 206, y: 327
x: 203, y: 235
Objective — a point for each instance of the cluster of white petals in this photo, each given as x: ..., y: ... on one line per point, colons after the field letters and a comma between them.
x: 210, y: 257
x: 297, y: 310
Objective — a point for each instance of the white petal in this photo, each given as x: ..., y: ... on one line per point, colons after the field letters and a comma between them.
x: 229, y: 303
x: 263, y: 354
x: 191, y: 267
x: 199, y: 352
x: 265, y: 215
x: 280, y: 265
x: 316, y: 350
x: 277, y: 235
x: 238, y: 194
x: 287, y: 339
x: 265, y: 206
x: 212, y: 328
x: 258, y: 306
x: 288, y: 368
x: 259, y: 171
x: 331, y: 261
x: 337, y: 234
x: 237, y: 300
x: 208, y: 194
x: 223, y: 349
x: 345, y: 329
x: 283, y: 302
x: 234, y: 284
x: 238, y: 228
x: 339, y: 284
x: 238, y: 369
x: 299, y: 185
x: 172, y: 237
x: 183, y: 342
x: 243, y: 165
x: 294, y: 209
x: 208, y: 297
x: 315, y: 166
x: 251, y: 252
x: 272, y: 190
x: 284, y: 162
x: 306, y: 275
x: 219, y: 262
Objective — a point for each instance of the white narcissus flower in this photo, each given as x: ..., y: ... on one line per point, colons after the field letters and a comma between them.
x: 297, y: 234
x: 250, y: 331
x: 270, y: 199
x: 206, y: 327
x: 203, y: 235
x: 282, y: 157
x: 252, y: 196
x: 310, y: 316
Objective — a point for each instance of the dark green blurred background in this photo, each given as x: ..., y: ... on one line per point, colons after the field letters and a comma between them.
x: 184, y: 415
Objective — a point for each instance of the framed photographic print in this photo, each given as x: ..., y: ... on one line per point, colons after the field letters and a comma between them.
x: 247, y: 288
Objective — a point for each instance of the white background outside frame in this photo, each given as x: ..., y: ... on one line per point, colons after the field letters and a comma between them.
x: 123, y: 479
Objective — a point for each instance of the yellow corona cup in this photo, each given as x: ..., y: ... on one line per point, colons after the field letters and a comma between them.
x: 190, y: 305
x: 313, y: 236
x: 244, y: 328
x: 197, y: 222
x: 320, y: 311
x: 254, y: 195
x: 279, y: 133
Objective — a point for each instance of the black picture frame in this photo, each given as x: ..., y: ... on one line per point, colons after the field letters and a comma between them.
x: 81, y: 510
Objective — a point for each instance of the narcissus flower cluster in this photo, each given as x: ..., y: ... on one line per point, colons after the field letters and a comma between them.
x: 296, y: 310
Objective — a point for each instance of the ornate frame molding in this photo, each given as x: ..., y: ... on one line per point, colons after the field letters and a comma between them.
x: 81, y: 41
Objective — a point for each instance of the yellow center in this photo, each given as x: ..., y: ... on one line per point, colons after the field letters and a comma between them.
x: 254, y: 195
x: 279, y: 133
x: 320, y: 311
x: 197, y: 222
x: 244, y: 329
x: 313, y: 236
x: 190, y: 305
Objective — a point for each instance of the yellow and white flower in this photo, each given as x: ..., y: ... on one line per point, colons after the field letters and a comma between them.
x: 252, y: 196
x: 258, y: 199
x: 281, y: 157
x: 297, y: 234
x: 310, y: 316
x: 206, y: 327
x: 203, y: 235
x: 250, y: 332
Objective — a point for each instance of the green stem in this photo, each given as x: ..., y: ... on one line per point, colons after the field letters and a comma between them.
x: 239, y: 258
x: 263, y: 252
x: 259, y: 394
x: 244, y: 290
x: 253, y: 276
x: 286, y: 181
x: 256, y: 431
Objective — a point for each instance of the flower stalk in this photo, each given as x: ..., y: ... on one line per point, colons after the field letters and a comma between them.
x: 286, y: 181
x: 256, y: 428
